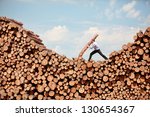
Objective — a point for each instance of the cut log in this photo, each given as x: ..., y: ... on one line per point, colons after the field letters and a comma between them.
x: 44, y: 62
x: 81, y: 90
x: 105, y: 78
x: 90, y: 74
x: 72, y: 83
x: 40, y: 88
x: 52, y: 85
x: 140, y: 52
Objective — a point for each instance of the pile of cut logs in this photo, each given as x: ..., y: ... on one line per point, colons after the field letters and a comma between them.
x: 28, y: 70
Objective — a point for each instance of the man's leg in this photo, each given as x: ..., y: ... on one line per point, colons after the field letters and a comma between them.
x: 99, y: 51
x: 91, y: 54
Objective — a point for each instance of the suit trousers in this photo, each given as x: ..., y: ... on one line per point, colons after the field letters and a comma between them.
x: 97, y: 51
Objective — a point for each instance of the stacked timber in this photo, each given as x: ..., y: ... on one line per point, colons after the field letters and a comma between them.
x: 28, y: 70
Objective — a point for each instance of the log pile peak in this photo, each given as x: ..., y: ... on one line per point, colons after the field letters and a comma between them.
x: 28, y: 70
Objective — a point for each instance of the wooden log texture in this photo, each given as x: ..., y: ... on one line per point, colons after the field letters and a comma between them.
x: 28, y: 70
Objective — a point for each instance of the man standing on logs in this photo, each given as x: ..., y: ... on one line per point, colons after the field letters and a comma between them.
x: 96, y: 50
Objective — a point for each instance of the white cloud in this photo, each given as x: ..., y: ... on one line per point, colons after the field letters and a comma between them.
x: 92, y: 30
x: 147, y: 20
x: 88, y: 3
x: 112, y: 2
x: 57, y: 33
x: 129, y: 8
x: 58, y: 49
x: 109, y: 13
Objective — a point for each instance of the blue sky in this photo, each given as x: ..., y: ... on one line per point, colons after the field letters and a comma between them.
x: 66, y: 25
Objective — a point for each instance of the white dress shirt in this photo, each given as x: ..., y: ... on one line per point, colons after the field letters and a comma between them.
x: 95, y: 46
